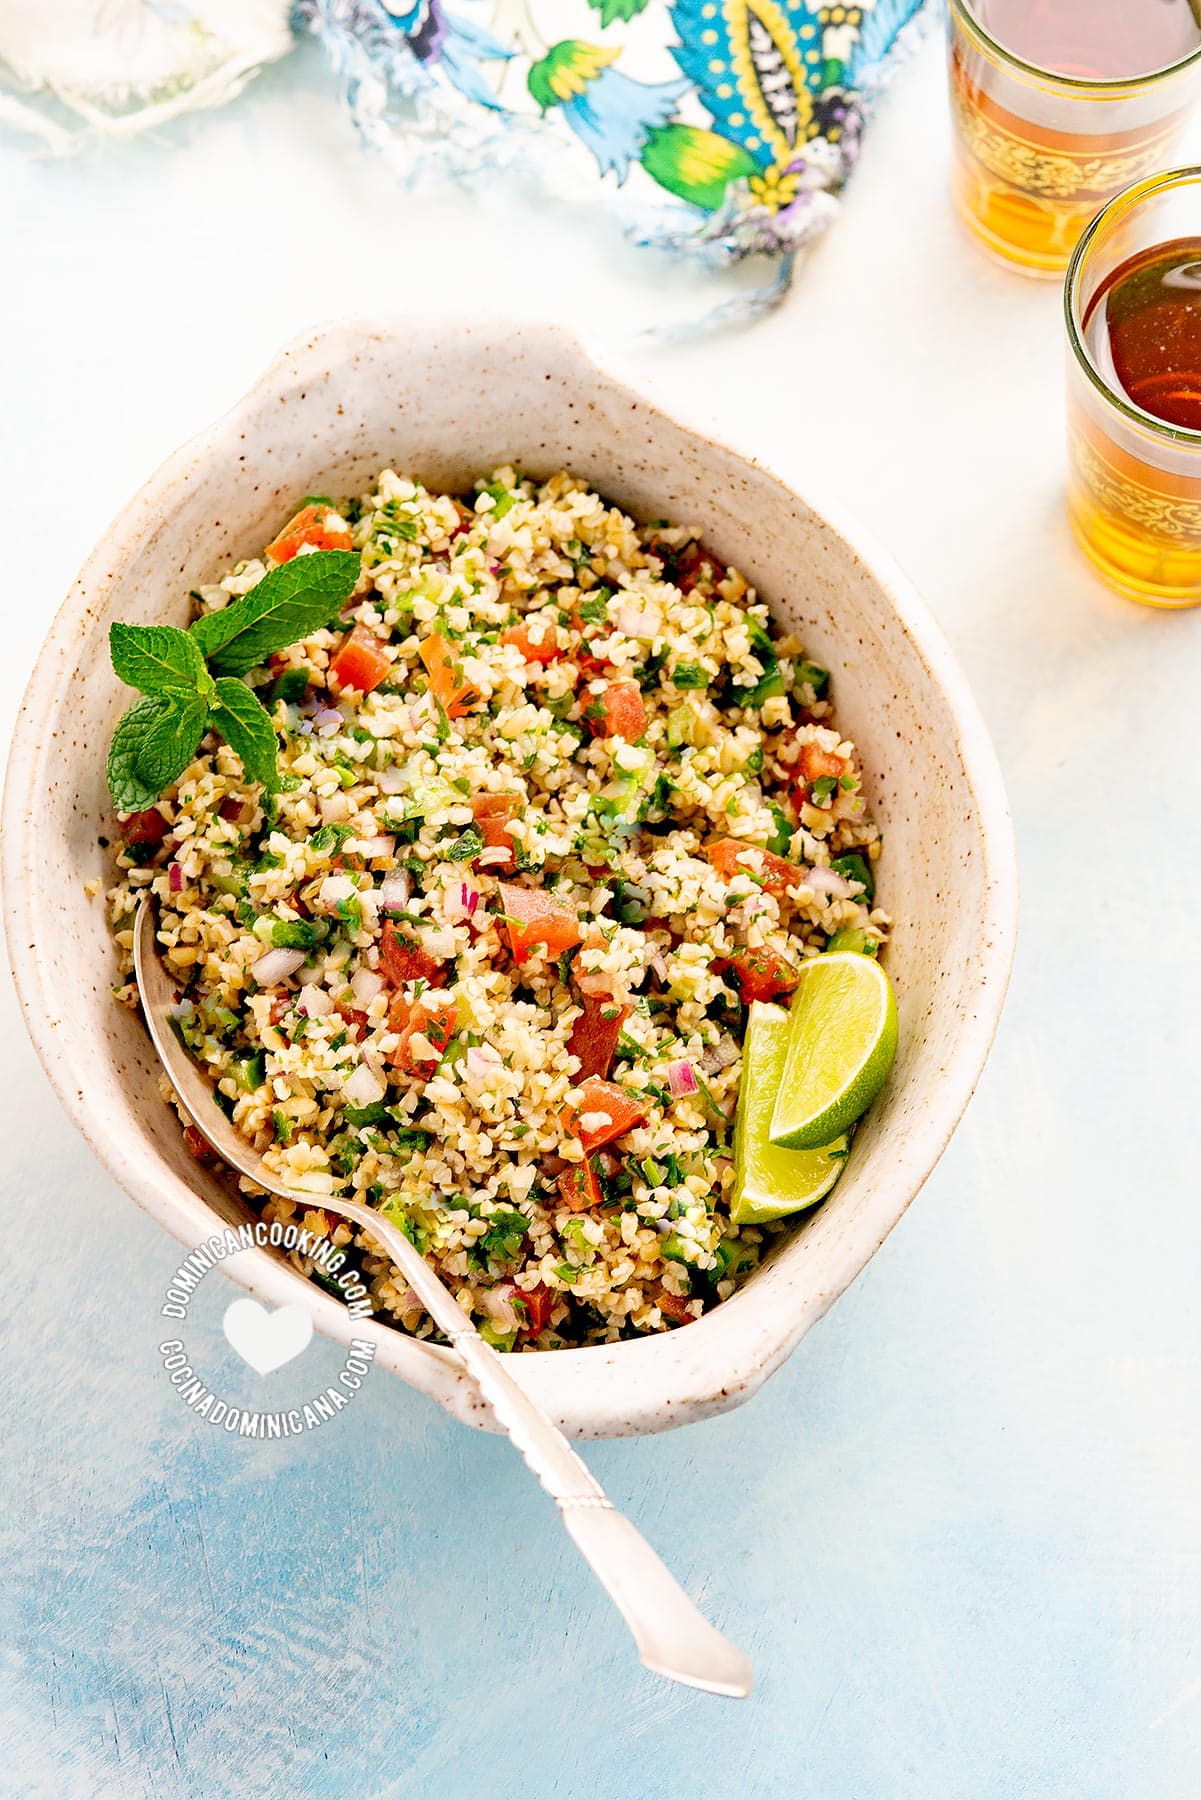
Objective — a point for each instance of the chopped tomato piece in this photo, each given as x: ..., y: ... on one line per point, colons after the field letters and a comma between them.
x: 494, y: 813
x: 448, y: 684
x: 402, y: 959
x: 198, y: 1145
x: 539, y: 1304
x: 591, y: 666
x: 618, y: 712
x: 761, y: 974
x: 812, y: 764
x: 431, y: 1020
x: 609, y: 1110
x: 579, y: 1187
x: 775, y: 873
x: 691, y: 565
x: 353, y: 1016
x: 595, y: 1033
x: 147, y: 827
x: 307, y: 527
x: 672, y: 1306
x: 533, y: 917
x: 541, y: 649
x: 359, y: 661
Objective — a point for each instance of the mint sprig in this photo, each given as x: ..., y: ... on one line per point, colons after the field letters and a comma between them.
x: 189, y: 679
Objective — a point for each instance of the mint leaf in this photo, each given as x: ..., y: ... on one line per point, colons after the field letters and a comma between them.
x: 246, y: 726
x: 158, y: 659
x: 288, y: 605
x: 152, y: 746
x: 129, y: 792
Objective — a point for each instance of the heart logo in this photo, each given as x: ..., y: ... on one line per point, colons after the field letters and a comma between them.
x: 267, y: 1340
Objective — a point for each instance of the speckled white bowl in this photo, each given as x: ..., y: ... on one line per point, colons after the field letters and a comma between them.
x: 445, y: 404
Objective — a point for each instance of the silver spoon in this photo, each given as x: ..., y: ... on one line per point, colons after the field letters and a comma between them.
x: 672, y: 1637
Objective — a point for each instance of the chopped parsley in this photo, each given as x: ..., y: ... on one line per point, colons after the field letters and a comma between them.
x: 506, y: 1233
x: 463, y: 847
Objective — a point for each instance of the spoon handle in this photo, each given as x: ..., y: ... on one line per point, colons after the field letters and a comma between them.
x: 672, y: 1636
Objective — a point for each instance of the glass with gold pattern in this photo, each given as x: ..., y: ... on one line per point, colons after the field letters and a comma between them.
x: 1057, y: 105
x: 1133, y: 310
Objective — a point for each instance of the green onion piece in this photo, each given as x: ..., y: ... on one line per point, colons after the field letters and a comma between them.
x: 854, y: 867
x: 297, y: 934
x: 854, y: 939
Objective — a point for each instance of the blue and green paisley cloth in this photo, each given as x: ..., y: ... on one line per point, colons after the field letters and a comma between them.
x: 723, y: 126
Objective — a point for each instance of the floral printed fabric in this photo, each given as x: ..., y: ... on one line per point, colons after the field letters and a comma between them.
x: 721, y: 126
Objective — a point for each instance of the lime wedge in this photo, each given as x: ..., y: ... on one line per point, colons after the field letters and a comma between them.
x: 771, y: 1183
x: 842, y: 1037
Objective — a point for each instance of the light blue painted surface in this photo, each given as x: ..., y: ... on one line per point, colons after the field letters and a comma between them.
x: 959, y: 1531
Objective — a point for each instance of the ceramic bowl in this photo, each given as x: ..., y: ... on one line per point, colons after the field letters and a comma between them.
x: 445, y: 404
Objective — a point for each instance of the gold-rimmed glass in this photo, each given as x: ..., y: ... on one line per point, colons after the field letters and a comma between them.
x: 1035, y: 154
x: 1134, y: 481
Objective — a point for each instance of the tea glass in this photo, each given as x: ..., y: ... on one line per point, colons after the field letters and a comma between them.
x: 1035, y: 153
x: 1134, y: 481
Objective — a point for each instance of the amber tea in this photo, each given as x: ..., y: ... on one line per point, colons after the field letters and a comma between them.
x: 1059, y: 104
x: 1142, y: 329
x: 1134, y: 390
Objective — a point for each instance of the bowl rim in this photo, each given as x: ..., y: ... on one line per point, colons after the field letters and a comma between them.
x: 670, y: 1378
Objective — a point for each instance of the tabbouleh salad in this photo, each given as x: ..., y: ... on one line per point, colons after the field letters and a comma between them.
x: 551, y: 800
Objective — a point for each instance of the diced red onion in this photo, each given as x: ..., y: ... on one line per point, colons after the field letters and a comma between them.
x: 390, y: 780
x: 720, y: 1055
x: 594, y: 981
x: 365, y: 984
x: 635, y: 621
x: 394, y: 890
x: 828, y: 882
x: 314, y: 1002
x: 439, y: 942
x: 497, y: 853
x: 481, y: 1061
x: 681, y: 1079
x: 276, y: 966
x: 498, y: 1304
x: 336, y: 888
x: 176, y: 878
x: 659, y: 966
x: 371, y: 846
x: 328, y: 721
x: 461, y: 904
x: 364, y: 1087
